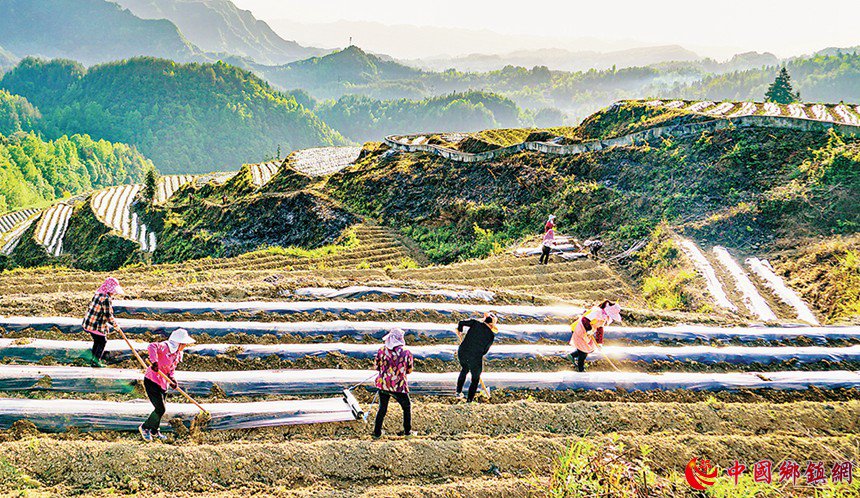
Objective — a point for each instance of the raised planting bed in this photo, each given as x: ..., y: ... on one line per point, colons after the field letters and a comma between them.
x: 524, y: 332
x: 59, y: 415
x: 134, y: 307
x: 334, y: 381
x: 69, y: 351
x: 52, y: 227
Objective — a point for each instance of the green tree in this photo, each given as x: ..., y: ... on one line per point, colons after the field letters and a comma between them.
x: 780, y: 91
x: 150, y: 185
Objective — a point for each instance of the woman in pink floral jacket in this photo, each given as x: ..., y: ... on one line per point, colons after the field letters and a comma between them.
x: 393, y: 362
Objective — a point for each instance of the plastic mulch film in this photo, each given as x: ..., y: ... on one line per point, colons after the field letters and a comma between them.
x: 360, y: 291
x: 60, y: 414
x: 330, y: 381
x: 34, y: 350
x: 520, y: 332
x: 341, y: 308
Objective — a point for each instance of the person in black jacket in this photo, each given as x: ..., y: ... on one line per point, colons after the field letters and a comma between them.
x: 472, y: 349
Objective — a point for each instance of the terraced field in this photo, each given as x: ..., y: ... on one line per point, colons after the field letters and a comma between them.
x: 678, y: 399
x: 52, y: 227
x: 286, y: 339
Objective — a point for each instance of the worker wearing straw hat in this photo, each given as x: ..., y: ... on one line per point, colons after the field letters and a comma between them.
x: 165, y: 356
x: 588, y: 330
x: 100, y: 320
x: 393, y: 362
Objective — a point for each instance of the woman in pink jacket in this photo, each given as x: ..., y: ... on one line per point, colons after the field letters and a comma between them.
x: 588, y: 330
x: 165, y: 356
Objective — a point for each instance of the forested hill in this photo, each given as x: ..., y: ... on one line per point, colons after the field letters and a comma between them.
x: 34, y: 171
x: 333, y: 75
x: 218, y: 26
x: 826, y: 77
x: 89, y: 31
x: 364, y: 119
x: 188, y: 118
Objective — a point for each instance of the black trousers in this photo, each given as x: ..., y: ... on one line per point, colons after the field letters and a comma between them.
x: 156, y: 396
x: 579, y: 360
x: 99, y: 343
x: 405, y: 404
x: 472, y: 366
x: 544, y: 256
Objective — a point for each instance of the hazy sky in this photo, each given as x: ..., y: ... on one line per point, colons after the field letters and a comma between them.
x: 715, y: 27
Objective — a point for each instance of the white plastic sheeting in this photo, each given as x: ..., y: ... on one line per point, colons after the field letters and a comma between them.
x: 60, y: 414
x: 263, y: 172
x: 52, y: 227
x: 359, y: 291
x: 321, y: 161
x: 557, y: 249
x: 520, y: 332
x: 703, y: 266
x: 65, y: 351
x: 329, y: 381
x: 775, y: 283
x: 168, y: 184
x: 341, y: 308
x: 752, y: 299
x: 11, y: 238
x: 9, y: 220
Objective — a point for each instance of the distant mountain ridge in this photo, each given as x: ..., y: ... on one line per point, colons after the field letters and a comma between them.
x: 560, y: 59
x: 88, y: 31
x: 218, y: 26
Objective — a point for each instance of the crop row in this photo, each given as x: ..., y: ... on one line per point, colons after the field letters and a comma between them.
x: 169, y: 184
x: 263, y: 172
x: 113, y: 207
x: 52, y: 228
x: 839, y: 113
x: 8, y: 221
x: 10, y: 239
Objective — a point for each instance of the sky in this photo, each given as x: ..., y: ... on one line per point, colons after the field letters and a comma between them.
x: 714, y: 28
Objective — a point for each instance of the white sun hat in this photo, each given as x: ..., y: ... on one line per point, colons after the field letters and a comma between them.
x: 181, y: 336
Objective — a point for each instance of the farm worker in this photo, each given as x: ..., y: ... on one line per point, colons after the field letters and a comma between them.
x: 550, y: 223
x: 546, y: 246
x: 100, y: 319
x: 588, y: 330
x: 393, y: 362
x: 472, y: 349
x: 164, y: 357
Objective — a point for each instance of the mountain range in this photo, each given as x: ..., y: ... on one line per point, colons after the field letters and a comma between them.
x: 218, y: 26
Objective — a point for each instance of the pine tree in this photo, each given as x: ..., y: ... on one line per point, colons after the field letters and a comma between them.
x: 150, y: 185
x: 780, y: 91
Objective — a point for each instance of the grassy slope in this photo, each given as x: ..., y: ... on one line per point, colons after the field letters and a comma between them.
x: 750, y: 189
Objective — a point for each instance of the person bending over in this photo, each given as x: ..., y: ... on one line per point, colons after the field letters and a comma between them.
x: 588, y: 330
x: 473, y: 347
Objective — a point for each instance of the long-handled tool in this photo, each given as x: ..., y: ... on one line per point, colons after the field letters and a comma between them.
x: 168, y: 379
x: 483, y: 386
x: 606, y: 357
